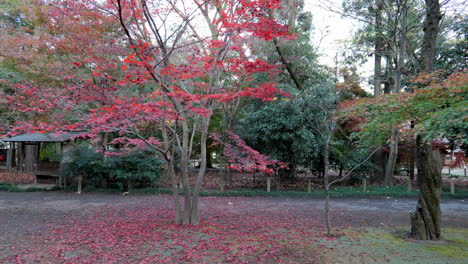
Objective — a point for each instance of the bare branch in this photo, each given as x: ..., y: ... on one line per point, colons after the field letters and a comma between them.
x: 355, y: 167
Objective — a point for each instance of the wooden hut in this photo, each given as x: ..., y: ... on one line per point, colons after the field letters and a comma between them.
x: 36, y: 158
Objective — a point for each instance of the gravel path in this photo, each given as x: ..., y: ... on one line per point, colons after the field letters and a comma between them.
x: 22, y: 213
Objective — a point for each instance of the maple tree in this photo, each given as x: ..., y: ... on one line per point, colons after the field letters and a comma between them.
x: 438, y: 109
x: 157, y: 77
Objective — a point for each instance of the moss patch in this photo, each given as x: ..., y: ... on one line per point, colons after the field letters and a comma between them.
x: 451, y: 250
x: 457, y: 247
x: 379, y: 245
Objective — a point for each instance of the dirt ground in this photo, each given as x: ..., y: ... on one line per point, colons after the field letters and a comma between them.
x: 57, y: 227
x: 29, y: 211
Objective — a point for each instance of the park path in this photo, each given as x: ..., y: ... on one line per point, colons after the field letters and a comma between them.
x: 29, y: 211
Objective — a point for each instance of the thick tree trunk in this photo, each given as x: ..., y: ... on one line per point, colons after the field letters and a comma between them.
x: 431, y: 31
x: 425, y: 221
x: 392, y: 156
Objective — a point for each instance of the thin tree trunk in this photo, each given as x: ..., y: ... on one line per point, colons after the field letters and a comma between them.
x: 326, y: 182
x: 327, y: 209
x: 378, y: 48
x: 412, y: 156
x: 379, y: 43
x: 392, y: 156
x: 175, y: 191
x: 184, y: 164
x: 195, y: 219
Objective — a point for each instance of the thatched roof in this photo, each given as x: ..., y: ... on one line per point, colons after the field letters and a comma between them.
x: 47, y: 137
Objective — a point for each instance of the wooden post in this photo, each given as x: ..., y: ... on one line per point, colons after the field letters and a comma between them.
x: 408, y: 189
x: 364, y: 185
x: 9, y: 157
x: 20, y: 161
x: 62, y: 182
x: 80, y: 183
x: 221, y: 180
x: 268, y: 184
x: 452, y: 186
x: 11, y: 161
x: 309, y: 185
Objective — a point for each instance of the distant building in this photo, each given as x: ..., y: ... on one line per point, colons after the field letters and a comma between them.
x: 36, y: 158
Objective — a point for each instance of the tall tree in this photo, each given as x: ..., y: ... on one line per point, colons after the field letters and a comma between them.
x: 167, y: 77
x: 425, y: 221
x: 392, y: 27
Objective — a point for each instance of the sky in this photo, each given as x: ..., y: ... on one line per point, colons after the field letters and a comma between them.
x: 330, y: 29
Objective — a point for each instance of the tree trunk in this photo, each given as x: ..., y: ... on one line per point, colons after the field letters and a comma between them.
x: 392, y: 156
x: 412, y: 162
x: 431, y: 31
x: 195, y: 218
x: 400, y: 56
x: 175, y: 191
x: 379, y: 43
x: 172, y: 174
x: 184, y: 171
x: 412, y: 156
x: 326, y: 183
x: 425, y: 221
x: 327, y: 209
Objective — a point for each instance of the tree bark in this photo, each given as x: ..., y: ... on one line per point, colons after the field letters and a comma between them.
x: 184, y: 171
x: 425, y: 221
x: 412, y: 156
x: 195, y: 219
x: 171, y: 171
x: 326, y: 183
x: 431, y: 31
x: 392, y: 156
x: 175, y: 191
x: 379, y: 43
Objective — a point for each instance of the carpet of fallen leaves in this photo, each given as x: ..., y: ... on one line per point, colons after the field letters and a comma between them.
x: 146, y: 234
x: 139, y: 229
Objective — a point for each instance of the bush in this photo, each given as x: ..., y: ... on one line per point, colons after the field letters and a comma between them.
x: 138, y: 169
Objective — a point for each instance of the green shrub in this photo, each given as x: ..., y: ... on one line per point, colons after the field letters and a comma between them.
x: 139, y: 169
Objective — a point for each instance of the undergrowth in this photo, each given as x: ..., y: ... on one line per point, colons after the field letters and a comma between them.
x: 372, y: 191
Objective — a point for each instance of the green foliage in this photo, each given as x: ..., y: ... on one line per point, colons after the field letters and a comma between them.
x: 453, y: 49
x: 141, y: 166
x: 9, y: 188
x: 12, y: 188
x: 49, y: 152
x: 280, y: 130
x: 89, y: 163
x: 439, y: 110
